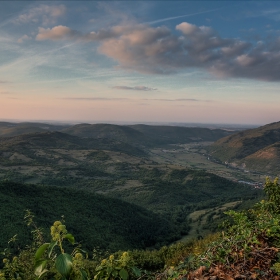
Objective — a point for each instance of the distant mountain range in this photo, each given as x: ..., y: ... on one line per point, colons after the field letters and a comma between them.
x: 254, y: 149
x: 147, y: 135
x: 136, y: 135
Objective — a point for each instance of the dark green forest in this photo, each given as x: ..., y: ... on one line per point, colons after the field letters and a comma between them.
x: 106, y: 223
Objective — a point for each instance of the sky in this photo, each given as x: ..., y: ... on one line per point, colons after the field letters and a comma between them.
x: 140, y: 61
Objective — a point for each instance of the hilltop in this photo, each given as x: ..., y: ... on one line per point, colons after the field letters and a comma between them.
x: 254, y: 149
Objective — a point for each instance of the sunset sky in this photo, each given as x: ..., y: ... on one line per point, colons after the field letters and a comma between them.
x: 140, y: 61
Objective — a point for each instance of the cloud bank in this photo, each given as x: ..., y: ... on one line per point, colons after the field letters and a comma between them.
x: 159, y: 50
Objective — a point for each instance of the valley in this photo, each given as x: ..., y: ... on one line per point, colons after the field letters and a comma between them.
x: 156, y: 192
x: 172, y: 176
x: 195, y: 155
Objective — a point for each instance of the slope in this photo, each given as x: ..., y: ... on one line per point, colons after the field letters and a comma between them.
x: 251, y: 148
x: 99, y: 221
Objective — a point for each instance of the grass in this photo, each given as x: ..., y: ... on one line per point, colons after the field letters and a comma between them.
x: 199, y: 219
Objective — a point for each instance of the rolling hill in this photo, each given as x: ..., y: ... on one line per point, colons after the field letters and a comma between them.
x: 54, y: 140
x: 116, y: 132
x: 135, y: 135
x: 8, y: 129
x: 175, y: 134
x: 146, y: 135
x: 255, y: 149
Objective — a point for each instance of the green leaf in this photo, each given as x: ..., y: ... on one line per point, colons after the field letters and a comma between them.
x: 136, y: 271
x: 70, y: 238
x: 109, y: 270
x: 41, y: 251
x: 98, y: 268
x: 84, y: 274
x: 52, y: 245
x: 40, y: 268
x: 64, y: 264
x: 124, y: 274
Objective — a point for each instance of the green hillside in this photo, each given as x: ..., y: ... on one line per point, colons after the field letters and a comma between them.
x: 256, y: 149
x: 103, y: 222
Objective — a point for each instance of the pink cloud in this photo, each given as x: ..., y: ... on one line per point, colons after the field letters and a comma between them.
x: 158, y: 50
x: 56, y: 33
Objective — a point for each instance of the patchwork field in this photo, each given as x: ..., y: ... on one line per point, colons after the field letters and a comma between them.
x: 194, y: 155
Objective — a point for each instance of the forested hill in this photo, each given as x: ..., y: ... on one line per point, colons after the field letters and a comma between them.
x: 116, y: 132
x: 56, y: 140
x: 176, y: 134
x: 96, y: 221
x: 147, y: 135
x: 255, y: 149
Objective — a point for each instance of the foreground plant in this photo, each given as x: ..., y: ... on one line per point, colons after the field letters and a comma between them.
x: 67, y: 265
x: 121, y: 268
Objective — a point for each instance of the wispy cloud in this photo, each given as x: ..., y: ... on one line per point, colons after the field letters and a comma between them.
x: 33, y: 57
x: 93, y: 98
x: 141, y: 88
x: 181, y: 16
x: 135, y: 99
x: 45, y: 14
x: 178, y: 100
x: 23, y: 38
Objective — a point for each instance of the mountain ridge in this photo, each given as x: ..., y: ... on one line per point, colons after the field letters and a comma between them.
x: 244, y: 149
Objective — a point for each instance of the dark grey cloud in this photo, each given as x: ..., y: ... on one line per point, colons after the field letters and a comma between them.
x: 160, y: 51
x: 141, y: 88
